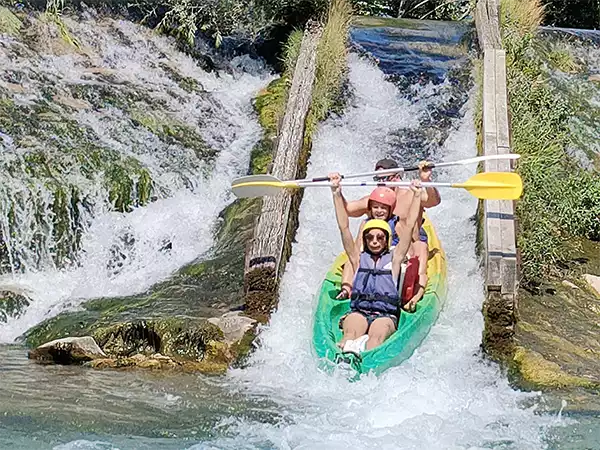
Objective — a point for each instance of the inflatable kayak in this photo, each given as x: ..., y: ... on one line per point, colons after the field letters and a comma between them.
x: 412, y: 327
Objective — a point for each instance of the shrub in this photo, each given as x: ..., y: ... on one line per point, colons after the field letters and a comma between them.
x: 561, y: 201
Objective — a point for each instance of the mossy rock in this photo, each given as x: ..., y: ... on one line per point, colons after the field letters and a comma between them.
x: 173, y: 131
x: 206, y: 288
x: 535, y: 372
x: 181, y: 338
x: 9, y: 23
x: 12, y: 304
x: 557, y: 337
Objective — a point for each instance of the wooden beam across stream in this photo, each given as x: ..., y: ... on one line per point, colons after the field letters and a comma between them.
x: 499, y: 240
x: 276, y: 225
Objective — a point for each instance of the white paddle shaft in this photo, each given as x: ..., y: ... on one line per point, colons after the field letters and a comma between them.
x: 384, y: 172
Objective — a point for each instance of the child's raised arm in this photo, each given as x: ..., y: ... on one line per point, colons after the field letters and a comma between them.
x: 341, y: 216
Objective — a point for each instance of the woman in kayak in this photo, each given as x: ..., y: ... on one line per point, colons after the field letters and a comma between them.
x: 375, y: 298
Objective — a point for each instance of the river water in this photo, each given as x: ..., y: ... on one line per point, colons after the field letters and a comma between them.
x: 446, y: 396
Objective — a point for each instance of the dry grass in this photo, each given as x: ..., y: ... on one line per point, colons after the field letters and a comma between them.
x: 331, y: 63
x: 521, y: 16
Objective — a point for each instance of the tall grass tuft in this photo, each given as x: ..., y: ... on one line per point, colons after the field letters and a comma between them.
x: 521, y: 16
x: 561, y: 201
x: 331, y: 63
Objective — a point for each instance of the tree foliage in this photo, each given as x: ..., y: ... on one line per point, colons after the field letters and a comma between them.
x: 573, y: 13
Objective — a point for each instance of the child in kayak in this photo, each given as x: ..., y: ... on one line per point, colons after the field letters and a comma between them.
x: 382, y: 202
x: 414, y: 284
x: 375, y: 297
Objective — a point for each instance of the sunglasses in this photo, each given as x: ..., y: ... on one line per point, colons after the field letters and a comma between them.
x: 384, y: 177
x: 375, y: 237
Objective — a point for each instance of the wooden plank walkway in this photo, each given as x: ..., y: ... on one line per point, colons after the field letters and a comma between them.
x: 500, y: 254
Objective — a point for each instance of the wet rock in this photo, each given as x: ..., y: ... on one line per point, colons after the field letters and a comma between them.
x: 537, y: 372
x: 594, y: 77
x: 593, y: 281
x: 156, y: 361
x: 71, y: 102
x: 15, y: 88
x: 72, y: 350
x: 557, y: 341
x: 126, y: 339
x: 233, y: 325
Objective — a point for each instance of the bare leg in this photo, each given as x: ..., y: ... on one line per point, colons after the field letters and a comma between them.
x: 355, y: 325
x: 379, y: 331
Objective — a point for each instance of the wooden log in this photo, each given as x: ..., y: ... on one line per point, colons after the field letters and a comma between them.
x: 487, y: 21
x: 493, y: 14
x: 265, y: 259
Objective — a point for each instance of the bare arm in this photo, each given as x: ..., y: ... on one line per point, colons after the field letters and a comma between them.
x: 341, y: 216
x: 357, y: 208
x: 359, y: 240
x: 404, y: 229
x: 433, y: 196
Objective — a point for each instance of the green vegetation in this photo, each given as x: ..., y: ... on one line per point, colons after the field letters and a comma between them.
x: 573, y: 13
x: 560, y: 200
x: 331, y: 65
x: 9, y: 23
x: 184, y: 19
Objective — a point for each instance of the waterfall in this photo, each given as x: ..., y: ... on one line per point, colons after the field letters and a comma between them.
x: 116, y: 161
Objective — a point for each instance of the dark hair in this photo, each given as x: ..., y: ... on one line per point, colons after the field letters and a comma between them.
x: 386, y: 163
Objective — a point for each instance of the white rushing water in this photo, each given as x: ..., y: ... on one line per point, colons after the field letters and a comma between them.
x: 191, y: 193
x: 445, y: 396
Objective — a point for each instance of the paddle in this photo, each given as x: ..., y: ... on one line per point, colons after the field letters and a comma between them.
x: 486, y: 185
x: 383, y: 172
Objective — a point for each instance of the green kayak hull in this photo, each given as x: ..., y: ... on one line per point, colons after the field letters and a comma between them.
x: 412, y: 327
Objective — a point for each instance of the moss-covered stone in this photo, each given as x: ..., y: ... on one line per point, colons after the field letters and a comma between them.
x: 556, y: 343
x: 9, y: 23
x: 536, y: 372
x: 12, y: 304
x: 173, y: 131
x: 168, y: 319
x: 270, y: 106
x: 186, y: 83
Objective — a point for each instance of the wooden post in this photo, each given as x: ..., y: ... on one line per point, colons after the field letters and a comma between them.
x: 498, y: 221
x: 265, y: 259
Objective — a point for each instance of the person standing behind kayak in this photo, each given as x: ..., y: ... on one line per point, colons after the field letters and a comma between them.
x: 375, y: 300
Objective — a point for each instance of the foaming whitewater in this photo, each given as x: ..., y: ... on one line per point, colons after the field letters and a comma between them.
x: 445, y: 395
x: 123, y: 254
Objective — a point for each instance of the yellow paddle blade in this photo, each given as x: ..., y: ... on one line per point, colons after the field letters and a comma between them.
x: 494, y: 185
x: 267, y: 185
